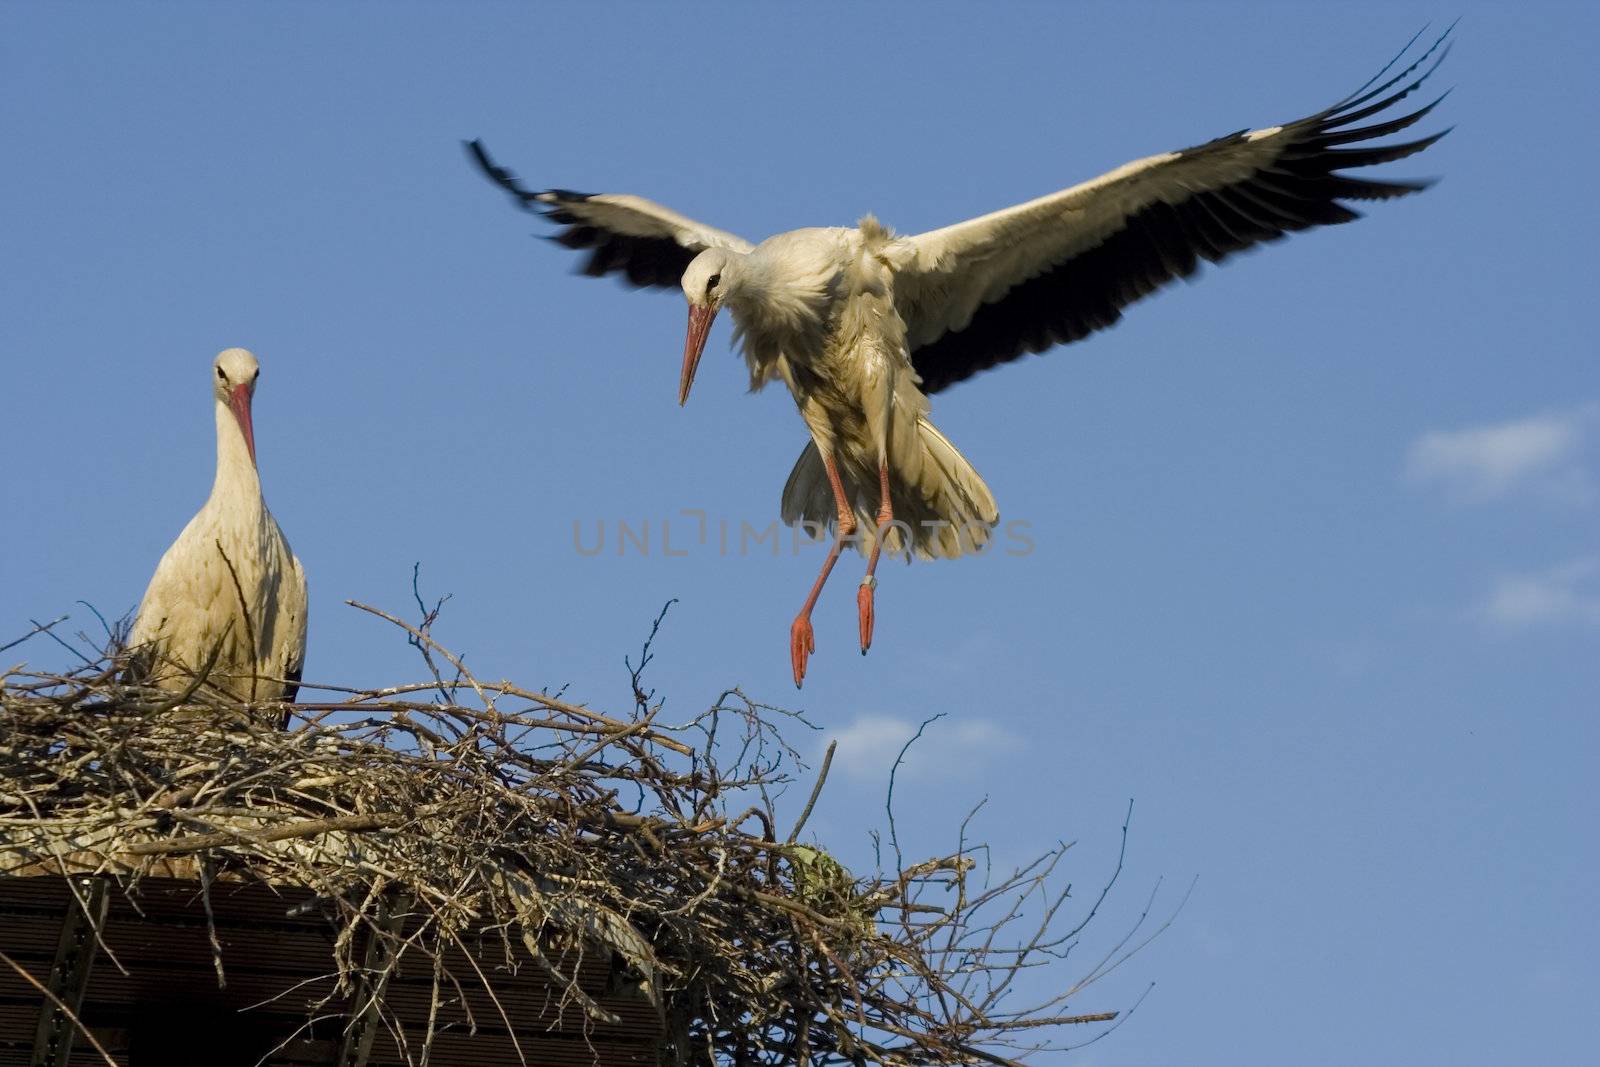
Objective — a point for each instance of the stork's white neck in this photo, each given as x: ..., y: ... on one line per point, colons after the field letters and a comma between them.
x: 236, y: 472
x: 774, y: 294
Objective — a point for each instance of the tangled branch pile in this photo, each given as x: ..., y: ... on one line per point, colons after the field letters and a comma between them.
x: 488, y: 806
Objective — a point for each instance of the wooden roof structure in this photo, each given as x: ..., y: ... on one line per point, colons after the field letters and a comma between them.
x: 140, y: 969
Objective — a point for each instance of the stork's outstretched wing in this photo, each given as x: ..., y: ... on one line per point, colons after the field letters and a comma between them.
x: 1056, y: 269
x: 638, y: 238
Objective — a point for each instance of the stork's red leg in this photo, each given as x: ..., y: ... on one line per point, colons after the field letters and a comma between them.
x: 802, y: 639
x: 869, y: 583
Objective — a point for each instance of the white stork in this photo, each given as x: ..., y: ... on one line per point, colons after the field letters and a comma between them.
x: 863, y: 325
x: 229, y: 591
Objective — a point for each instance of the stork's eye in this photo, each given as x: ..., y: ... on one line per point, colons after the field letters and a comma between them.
x: 221, y: 375
x: 711, y: 282
x: 256, y: 375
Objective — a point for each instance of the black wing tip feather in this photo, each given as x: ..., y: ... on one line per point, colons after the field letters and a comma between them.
x: 1351, y: 108
x: 501, y: 176
x: 1315, y: 155
x: 638, y: 261
x: 1362, y: 93
x: 528, y: 199
x: 1332, y: 127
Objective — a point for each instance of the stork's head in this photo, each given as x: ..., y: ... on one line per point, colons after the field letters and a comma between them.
x: 233, y: 381
x: 705, y: 285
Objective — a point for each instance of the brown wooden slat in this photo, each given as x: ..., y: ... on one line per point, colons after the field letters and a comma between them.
x: 29, y: 933
x: 528, y: 1002
x: 265, y: 953
x: 496, y: 1050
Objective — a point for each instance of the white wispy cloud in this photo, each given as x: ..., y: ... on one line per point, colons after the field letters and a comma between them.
x: 1568, y: 593
x: 951, y: 746
x: 1544, y: 453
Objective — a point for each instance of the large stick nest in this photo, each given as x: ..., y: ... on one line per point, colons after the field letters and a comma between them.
x: 480, y: 805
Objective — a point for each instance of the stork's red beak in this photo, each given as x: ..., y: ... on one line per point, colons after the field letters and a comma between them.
x: 693, y: 345
x: 239, y: 401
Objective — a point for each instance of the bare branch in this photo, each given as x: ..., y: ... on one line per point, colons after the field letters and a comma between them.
x: 38, y: 628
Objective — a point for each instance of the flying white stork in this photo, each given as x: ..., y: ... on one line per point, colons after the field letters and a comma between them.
x: 863, y: 325
x: 229, y: 592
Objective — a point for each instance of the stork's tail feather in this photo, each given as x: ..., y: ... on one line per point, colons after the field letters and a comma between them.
x: 939, y: 500
x: 806, y: 495
x: 943, y: 500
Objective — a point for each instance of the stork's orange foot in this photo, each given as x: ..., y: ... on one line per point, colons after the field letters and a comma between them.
x: 802, y: 642
x: 864, y: 610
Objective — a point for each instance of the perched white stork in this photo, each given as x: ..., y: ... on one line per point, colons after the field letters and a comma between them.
x: 863, y: 325
x: 229, y: 587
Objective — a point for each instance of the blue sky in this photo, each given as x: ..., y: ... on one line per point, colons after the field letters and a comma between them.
x: 1315, y: 576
